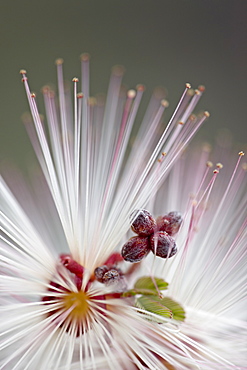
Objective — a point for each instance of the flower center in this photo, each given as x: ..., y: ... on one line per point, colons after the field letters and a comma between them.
x: 77, y: 304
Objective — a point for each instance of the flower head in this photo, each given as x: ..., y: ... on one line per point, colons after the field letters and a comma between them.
x: 128, y: 251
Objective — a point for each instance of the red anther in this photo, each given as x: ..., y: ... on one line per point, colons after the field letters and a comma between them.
x: 135, y: 249
x: 144, y: 224
x: 113, y: 259
x: 170, y: 223
x: 71, y: 265
x: 163, y: 245
x: 74, y: 267
x: 100, y: 271
x: 107, y: 274
x: 111, y: 277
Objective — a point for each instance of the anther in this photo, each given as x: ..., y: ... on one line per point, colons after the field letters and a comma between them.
x: 160, y: 92
x: 169, y: 223
x: 164, y: 103
x: 59, y: 61
x: 207, y: 148
x: 135, y: 249
x: 188, y: 85
x: 209, y: 164
x: 192, y: 117
x: 163, y: 154
x: 92, y: 101
x: 85, y: 57
x: 131, y: 94
x: 244, y: 166
x: 26, y: 118
x: 140, y: 87
x: 206, y: 114
x: 118, y: 70
x: 23, y: 73
x: 33, y: 95
x: 143, y: 224
x: 45, y: 89
x: 219, y: 165
x: 241, y: 154
x: 75, y: 79
x: 201, y: 88
x: 191, y: 92
x: 80, y: 95
x: 163, y: 245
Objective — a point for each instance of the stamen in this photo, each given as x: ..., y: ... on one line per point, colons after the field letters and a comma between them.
x: 85, y: 58
x: 68, y: 166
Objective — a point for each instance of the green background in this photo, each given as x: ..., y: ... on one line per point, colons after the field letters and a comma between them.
x: 160, y: 42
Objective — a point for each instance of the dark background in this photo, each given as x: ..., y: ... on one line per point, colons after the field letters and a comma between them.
x: 160, y: 42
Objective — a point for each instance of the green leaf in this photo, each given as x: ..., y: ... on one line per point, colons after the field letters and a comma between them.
x: 146, y: 282
x: 176, y: 309
x: 165, y: 307
x: 153, y: 304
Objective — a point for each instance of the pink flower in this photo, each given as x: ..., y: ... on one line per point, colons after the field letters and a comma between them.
x: 68, y: 299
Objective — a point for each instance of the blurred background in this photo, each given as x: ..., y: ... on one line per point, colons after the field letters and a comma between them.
x: 160, y: 43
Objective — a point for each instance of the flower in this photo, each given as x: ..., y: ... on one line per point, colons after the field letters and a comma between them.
x: 68, y: 298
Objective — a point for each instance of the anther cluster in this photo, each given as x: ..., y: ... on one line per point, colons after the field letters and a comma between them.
x: 152, y: 235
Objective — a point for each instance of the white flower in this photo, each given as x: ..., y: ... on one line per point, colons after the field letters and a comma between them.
x: 57, y: 311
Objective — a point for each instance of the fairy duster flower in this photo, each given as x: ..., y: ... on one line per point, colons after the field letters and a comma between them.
x: 128, y: 250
